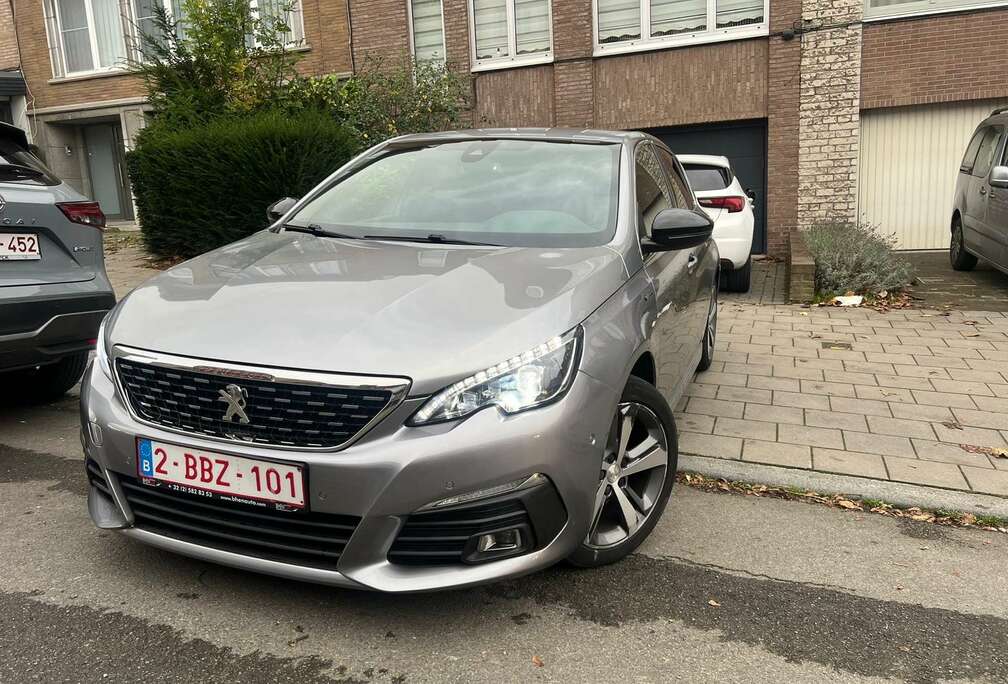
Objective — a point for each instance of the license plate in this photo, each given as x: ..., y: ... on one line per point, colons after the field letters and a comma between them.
x: 221, y: 476
x: 19, y: 246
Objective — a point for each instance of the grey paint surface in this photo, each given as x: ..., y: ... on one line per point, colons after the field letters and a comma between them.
x: 433, y: 314
x: 806, y: 594
x: 981, y: 206
x: 70, y: 269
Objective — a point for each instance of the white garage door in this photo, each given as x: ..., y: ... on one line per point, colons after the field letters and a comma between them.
x: 909, y: 160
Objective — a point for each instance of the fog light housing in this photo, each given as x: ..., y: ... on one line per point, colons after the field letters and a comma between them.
x: 505, y: 540
x: 498, y: 544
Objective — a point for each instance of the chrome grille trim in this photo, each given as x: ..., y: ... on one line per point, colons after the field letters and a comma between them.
x: 396, y: 387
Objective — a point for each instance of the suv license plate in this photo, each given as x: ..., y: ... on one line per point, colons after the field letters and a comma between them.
x: 221, y: 476
x: 19, y: 246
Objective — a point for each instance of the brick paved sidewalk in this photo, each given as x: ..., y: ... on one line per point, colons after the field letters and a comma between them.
x: 910, y: 396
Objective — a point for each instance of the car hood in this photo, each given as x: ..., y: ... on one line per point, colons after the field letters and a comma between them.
x: 432, y: 313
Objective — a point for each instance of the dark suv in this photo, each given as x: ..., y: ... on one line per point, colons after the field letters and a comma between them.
x: 53, y: 288
x: 979, y: 226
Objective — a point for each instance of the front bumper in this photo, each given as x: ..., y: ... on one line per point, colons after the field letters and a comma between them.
x: 384, y: 478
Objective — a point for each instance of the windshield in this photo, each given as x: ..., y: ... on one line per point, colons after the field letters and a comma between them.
x: 505, y: 192
x: 13, y: 154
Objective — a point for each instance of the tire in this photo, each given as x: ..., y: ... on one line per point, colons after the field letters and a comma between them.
x: 50, y: 382
x: 739, y: 279
x: 610, y: 537
x: 960, y: 258
x: 710, y: 335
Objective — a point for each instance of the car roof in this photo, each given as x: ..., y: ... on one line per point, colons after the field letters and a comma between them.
x: 709, y: 159
x: 569, y: 135
x: 998, y: 116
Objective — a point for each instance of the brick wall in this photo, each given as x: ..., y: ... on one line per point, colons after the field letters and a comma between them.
x: 8, y: 43
x: 497, y: 106
x: 670, y: 87
x: 783, y: 89
x: 829, y: 124
x: 380, y: 30
x: 938, y: 58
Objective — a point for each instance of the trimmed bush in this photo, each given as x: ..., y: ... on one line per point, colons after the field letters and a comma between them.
x: 853, y: 257
x: 200, y: 188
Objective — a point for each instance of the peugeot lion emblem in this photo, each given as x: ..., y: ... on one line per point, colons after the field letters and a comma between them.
x: 236, y: 398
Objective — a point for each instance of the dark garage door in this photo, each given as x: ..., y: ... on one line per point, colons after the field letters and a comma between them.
x: 744, y: 143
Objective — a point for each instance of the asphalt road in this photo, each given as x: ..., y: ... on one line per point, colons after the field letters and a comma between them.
x: 803, y: 594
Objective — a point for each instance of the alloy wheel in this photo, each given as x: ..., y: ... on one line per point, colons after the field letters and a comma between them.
x: 633, y: 473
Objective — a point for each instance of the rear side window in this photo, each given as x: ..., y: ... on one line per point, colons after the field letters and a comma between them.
x: 971, y: 151
x: 18, y: 165
x: 682, y: 195
x: 703, y: 177
x: 988, y: 149
x: 653, y: 194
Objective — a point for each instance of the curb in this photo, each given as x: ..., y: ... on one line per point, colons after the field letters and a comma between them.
x: 899, y: 494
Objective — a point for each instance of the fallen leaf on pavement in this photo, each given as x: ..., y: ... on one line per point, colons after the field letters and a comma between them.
x: 899, y: 587
x: 714, y: 603
x: 849, y: 505
x: 537, y: 661
x: 952, y: 425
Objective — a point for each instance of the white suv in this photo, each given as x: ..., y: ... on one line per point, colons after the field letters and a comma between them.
x: 721, y: 195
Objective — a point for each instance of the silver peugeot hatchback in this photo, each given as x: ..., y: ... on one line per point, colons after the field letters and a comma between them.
x: 451, y: 362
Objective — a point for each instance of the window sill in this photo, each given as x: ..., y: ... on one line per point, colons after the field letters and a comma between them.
x: 698, y: 38
x: 912, y: 12
x: 512, y: 62
x: 88, y: 75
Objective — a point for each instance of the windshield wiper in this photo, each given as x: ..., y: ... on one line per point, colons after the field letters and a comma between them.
x: 433, y: 238
x: 317, y: 230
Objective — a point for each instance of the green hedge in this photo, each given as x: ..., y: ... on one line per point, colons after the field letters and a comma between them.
x: 203, y: 187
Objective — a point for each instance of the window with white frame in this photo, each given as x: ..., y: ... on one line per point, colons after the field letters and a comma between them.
x: 511, y: 32
x: 286, y: 12
x: 85, y: 36
x: 887, y: 9
x: 626, y: 25
x: 94, y: 36
x: 426, y: 19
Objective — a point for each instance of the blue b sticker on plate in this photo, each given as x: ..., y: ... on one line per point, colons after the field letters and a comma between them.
x: 146, y: 458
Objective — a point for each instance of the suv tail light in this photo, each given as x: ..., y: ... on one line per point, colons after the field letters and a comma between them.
x: 86, y: 213
x: 732, y: 204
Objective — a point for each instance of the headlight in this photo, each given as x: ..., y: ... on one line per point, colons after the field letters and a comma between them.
x: 532, y: 379
x: 101, y: 351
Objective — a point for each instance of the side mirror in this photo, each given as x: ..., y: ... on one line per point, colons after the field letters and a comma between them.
x: 678, y: 229
x: 275, y: 211
x: 999, y: 177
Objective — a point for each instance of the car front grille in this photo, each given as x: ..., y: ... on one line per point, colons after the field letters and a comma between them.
x: 439, y: 537
x: 307, y: 539
x: 279, y: 413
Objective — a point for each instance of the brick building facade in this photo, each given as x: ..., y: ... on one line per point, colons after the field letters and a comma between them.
x: 806, y: 97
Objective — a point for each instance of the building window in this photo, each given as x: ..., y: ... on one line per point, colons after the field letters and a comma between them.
x: 85, y: 36
x: 511, y: 32
x: 286, y: 12
x: 92, y: 36
x: 887, y: 9
x: 630, y: 25
x: 426, y: 19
